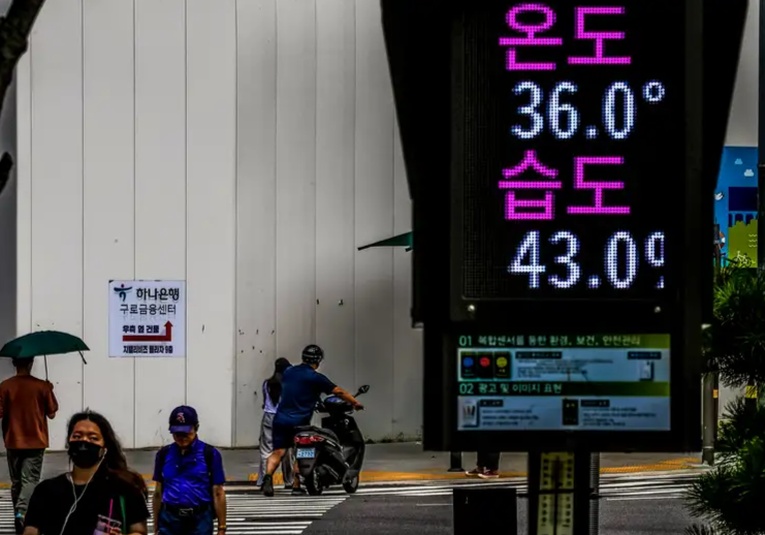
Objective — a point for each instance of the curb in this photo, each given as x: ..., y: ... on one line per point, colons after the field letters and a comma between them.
x: 384, y: 476
x: 373, y: 476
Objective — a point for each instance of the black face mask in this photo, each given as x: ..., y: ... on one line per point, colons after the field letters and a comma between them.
x: 84, y: 454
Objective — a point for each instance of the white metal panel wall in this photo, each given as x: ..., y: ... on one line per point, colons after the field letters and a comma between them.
x: 320, y: 173
x: 8, y: 225
x: 108, y: 214
x: 742, y: 123
x: 246, y: 146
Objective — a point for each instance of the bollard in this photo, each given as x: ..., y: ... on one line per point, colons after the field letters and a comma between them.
x: 455, y: 461
x: 485, y: 510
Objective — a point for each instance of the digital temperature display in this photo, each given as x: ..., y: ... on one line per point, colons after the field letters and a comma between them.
x: 569, y: 157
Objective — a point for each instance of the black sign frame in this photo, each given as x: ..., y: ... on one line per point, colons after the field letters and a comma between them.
x: 481, y: 310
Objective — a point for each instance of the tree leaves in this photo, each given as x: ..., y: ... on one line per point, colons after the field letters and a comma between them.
x: 734, y: 344
x: 732, y: 495
x: 15, y: 28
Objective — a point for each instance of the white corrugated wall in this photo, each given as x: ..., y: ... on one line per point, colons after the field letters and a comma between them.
x: 246, y: 146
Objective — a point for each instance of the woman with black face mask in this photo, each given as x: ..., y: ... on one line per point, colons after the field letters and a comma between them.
x: 100, y: 496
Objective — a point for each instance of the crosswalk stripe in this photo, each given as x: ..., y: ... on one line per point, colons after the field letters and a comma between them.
x: 662, y: 486
x: 248, y: 514
x: 251, y: 513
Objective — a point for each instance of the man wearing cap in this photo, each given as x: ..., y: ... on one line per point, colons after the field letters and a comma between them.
x: 189, y: 480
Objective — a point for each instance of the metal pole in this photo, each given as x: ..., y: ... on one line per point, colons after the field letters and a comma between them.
x: 455, y: 461
x: 594, y: 493
x: 761, y: 145
x: 709, y: 421
x: 583, y: 482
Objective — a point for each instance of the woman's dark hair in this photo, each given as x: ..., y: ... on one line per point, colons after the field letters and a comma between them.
x: 274, y: 383
x: 115, y: 463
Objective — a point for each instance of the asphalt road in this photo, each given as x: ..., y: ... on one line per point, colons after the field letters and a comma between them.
x: 432, y: 515
x: 639, y: 504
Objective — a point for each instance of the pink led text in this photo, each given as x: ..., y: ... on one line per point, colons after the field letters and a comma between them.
x: 534, y: 36
x: 545, y: 180
x: 597, y: 187
x: 512, y: 204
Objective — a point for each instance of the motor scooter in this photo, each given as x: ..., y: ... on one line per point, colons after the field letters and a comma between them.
x: 334, y: 452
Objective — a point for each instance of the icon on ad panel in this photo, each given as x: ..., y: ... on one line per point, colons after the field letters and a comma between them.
x: 570, y: 411
x: 468, y: 412
x: 647, y: 370
x: 502, y: 365
x: 485, y: 368
x: 467, y: 365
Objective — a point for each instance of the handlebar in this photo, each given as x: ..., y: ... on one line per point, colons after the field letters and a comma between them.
x: 340, y: 405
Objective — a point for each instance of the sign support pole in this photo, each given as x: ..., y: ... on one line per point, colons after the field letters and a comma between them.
x: 563, y: 493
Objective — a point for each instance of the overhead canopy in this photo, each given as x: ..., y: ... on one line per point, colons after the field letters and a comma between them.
x: 402, y: 240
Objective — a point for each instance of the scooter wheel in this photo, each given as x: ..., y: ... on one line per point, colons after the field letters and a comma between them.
x: 312, y: 485
x: 350, y: 486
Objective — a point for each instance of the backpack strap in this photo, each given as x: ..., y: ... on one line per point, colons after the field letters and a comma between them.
x: 209, y: 461
x: 161, y: 458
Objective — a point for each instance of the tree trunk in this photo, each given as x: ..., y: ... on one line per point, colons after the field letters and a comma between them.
x: 15, y: 28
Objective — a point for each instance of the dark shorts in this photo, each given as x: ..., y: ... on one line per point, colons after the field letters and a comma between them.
x: 284, y: 434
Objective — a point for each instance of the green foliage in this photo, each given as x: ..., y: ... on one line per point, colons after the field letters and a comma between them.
x: 731, y: 496
x: 739, y: 426
x: 699, y: 529
x: 734, y: 343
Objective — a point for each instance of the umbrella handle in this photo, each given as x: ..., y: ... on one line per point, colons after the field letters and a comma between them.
x: 45, y: 358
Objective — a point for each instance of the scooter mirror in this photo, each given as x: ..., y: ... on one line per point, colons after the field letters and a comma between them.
x: 363, y: 389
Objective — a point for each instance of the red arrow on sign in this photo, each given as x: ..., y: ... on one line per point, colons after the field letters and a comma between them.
x: 166, y: 337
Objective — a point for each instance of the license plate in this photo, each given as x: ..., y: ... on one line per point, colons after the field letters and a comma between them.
x: 306, y: 453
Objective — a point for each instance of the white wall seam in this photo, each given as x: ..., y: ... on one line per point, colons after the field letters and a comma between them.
x: 315, y: 302
x: 353, y: 198
x: 82, y: 192
x: 235, y: 367
x: 186, y: 183
x: 135, y: 204
x: 277, y: 350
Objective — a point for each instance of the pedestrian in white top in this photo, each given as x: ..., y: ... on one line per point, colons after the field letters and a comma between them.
x: 272, y: 392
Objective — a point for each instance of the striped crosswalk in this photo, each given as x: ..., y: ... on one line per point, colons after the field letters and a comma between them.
x: 248, y: 514
x: 617, y: 487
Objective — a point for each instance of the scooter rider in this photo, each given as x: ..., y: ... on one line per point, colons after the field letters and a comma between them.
x: 302, y: 387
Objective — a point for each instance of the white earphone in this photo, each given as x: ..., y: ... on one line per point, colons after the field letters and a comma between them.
x: 74, y: 492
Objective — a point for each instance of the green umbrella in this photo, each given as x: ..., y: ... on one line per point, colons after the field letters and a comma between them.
x: 44, y: 343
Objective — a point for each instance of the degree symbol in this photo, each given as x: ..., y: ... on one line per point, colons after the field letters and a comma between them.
x: 654, y: 91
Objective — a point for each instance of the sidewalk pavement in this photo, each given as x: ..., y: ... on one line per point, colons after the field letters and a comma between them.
x: 405, y: 461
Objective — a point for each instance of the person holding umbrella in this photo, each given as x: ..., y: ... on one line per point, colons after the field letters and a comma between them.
x: 26, y: 403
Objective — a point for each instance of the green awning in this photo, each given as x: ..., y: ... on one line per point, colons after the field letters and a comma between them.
x: 402, y: 240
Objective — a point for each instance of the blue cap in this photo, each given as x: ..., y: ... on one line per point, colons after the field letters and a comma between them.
x: 183, y: 419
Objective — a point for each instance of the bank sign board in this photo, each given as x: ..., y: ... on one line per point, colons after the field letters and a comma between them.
x: 147, y: 318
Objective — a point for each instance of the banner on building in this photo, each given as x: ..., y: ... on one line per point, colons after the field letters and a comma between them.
x: 147, y: 318
x: 736, y: 208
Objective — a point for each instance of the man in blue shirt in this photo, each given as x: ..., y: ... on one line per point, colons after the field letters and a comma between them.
x: 302, y: 387
x: 189, y: 480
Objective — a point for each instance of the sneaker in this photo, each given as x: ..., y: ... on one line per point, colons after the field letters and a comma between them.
x: 268, y: 485
x: 299, y: 492
x: 489, y: 474
x: 475, y: 472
